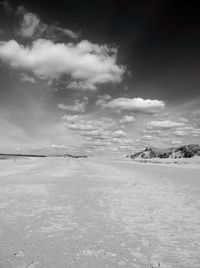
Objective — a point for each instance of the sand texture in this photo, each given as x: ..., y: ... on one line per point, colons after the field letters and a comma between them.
x: 59, y: 213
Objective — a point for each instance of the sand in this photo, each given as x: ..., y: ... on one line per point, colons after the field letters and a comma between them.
x: 58, y: 213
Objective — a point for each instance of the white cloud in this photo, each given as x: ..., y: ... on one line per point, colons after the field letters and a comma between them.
x: 99, y: 143
x: 175, y: 142
x: 114, y: 149
x: 103, y: 122
x: 81, y: 127
x: 91, y: 129
x: 102, y: 99
x: 119, y: 133
x: 107, y: 121
x: 71, y: 118
x: 122, y: 141
x: 146, y: 137
x: 55, y: 146
x: 127, y: 119
x: 195, y: 132
x: 165, y: 124
x: 81, y: 85
x: 79, y: 106
x: 187, y: 131
x: 27, y: 78
x: 85, y: 63
x: 98, y: 134
x: 180, y: 133
x: 135, y: 105
x: 84, y: 125
x: 125, y: 147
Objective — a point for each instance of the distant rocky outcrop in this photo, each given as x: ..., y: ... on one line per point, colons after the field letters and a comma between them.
x: 185, y: 151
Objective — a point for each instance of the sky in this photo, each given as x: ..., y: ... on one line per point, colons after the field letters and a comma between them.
x: 98, y: 77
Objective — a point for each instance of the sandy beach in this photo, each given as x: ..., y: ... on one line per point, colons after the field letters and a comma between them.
x: 94, y: 214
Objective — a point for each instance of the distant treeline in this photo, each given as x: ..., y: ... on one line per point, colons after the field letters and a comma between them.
x: 40, y: 155
x: 22, y: 155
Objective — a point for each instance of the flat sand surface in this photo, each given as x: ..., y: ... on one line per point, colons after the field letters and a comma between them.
x: 59, y: 213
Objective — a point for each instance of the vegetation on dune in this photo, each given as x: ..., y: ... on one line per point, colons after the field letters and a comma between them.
x: 185, y: 151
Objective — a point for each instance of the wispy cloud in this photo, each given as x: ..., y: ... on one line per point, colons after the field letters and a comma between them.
x: 67, y: 32
x: 6, y: 5
x: 29, y: 24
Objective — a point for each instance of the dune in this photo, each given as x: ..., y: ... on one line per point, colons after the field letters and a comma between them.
x: 184, y: 151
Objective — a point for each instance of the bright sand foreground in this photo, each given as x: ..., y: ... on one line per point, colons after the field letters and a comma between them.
x: 58, y: 213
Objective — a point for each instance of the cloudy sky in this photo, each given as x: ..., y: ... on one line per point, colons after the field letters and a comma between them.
x: 98, y: 76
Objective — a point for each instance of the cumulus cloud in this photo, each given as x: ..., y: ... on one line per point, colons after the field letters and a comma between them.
x: 127, y: 119
x: 81, y: 126
x: 165, y: 124
x: 122, y: 141
x: 71, y: 118
x: 195, y: 132
x: 119, y: 133
x: 84, y: 125
x: 79, y: 106
x: 176, y: 142
x: 134, y: 105
x: 62, y: 147
x: 27, y: 78
x: 180, y: 133
x: 187, y: 131
x: 103, y: 122
x: 102, y: 99
x: 146, y: 137
x: 92, y: 129
x: 85, y: 63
